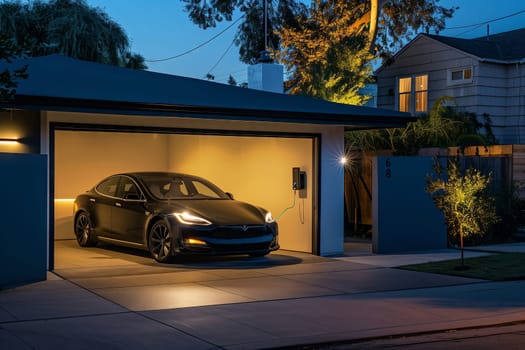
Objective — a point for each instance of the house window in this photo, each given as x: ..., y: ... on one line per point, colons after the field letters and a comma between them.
x: 413, y: 94
x: 405, y: 85
x: 459, y: 76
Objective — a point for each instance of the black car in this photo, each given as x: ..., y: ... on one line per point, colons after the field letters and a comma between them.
x: 171, y: 214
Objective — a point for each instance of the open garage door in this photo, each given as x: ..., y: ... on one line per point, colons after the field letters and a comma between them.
x: 254, y: 168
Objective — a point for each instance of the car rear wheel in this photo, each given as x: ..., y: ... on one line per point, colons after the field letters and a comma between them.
x: 83, y: 233
x: 160, y: 242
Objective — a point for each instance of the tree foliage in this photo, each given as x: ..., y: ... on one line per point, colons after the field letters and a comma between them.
x: 463, y: 199
x: 68, y: 27
x: 326, y: 63
x: 444, y: 126
x: 9, y: 78
x: 327, y: 46
x: 250, y: 34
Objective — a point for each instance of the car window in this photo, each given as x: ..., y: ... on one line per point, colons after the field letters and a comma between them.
x: 109, y: 186
x: 128, y: 189
x: 174, y: 186
x: 202, y: 189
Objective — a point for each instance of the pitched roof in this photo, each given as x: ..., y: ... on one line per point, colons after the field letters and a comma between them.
x: 506, y: 46
x: 57, y: 82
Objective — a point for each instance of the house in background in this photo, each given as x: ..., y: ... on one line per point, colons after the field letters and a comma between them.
x: 484, y: 75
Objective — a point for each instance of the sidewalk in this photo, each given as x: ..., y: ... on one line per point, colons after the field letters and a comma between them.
x: 316, y: 301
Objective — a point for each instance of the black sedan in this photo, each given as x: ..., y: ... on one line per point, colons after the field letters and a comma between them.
x: 171, y: 214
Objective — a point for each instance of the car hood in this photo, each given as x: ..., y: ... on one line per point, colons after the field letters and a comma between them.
x: 219, y: 212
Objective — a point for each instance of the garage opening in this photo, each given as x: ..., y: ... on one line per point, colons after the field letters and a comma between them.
x: 255, y: 168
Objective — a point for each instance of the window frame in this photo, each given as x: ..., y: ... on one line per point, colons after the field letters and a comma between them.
x: 413, y: 93
x: 463, y: 80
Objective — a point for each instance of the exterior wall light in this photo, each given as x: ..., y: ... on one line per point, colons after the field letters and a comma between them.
x: 343, y: 160
x: 8, y: 141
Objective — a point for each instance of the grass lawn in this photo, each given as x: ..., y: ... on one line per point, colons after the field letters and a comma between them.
x: 497, y: 267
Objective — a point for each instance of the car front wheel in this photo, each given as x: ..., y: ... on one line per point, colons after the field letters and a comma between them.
x: 83, y: 232
x: 160, y: 242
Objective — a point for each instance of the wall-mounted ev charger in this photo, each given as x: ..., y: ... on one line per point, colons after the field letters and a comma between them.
x: 298, y: 179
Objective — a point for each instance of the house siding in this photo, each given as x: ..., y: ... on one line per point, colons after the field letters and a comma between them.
x: 428, y: 57
x: 496, y: 89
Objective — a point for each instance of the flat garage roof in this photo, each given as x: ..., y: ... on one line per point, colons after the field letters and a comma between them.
x: 56, y: 82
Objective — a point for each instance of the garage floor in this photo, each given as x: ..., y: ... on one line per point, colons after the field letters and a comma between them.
x: 133, y: 280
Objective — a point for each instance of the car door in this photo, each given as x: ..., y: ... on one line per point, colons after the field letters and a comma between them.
x: 129, y: 213
x: 103, y: 205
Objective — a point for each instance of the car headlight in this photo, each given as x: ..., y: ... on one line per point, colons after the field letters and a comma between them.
x: 268, y: 218
x: 188, y: 219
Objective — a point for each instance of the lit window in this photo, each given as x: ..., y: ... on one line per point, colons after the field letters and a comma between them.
x: 405, y: 86
x: 413, y: 94
x: 421, y: 93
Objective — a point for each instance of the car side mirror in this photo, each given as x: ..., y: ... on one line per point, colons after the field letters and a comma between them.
x: 229, y: 195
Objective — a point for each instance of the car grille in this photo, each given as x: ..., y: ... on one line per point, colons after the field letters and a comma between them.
x: 234, y: 231
x: 240, y: 231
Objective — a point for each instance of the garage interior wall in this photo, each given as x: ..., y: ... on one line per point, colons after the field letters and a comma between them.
x: 255, y: 169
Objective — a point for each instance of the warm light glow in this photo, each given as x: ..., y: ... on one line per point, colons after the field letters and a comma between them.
x: 194, y: 241
x: 8, y: 141
x: 64, y: 200
x: 343, y: 160
x: 188, y: 219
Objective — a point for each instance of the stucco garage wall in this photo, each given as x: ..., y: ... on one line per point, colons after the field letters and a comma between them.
x: 256, y: 170
x: 23, y: 240
x: 404, y: 215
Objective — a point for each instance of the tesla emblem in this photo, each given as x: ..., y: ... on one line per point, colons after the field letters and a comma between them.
x: 244, y: 228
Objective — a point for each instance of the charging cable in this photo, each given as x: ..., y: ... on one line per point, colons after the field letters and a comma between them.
x: 290, y: 207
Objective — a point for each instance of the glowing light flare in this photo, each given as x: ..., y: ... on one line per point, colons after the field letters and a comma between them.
x: 269, y: 218
x: 194, y: 241
x: 189, y: 219
x: 9, y: 141
x: 64, y: 200
x: 343, y: 160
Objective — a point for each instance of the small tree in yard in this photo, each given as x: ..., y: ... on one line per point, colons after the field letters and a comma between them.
x: 463, y: 199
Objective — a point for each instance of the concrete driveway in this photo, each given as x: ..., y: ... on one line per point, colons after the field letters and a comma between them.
x: 107, y: 298
x: 131, y: 279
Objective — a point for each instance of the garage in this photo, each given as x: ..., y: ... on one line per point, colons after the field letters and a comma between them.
x: 73, y: 123
x: 254, y: 168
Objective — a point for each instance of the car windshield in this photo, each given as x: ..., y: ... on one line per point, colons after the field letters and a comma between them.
x: 173, y: 186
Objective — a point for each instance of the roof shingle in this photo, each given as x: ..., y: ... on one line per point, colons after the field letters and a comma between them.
x: 506, y: 46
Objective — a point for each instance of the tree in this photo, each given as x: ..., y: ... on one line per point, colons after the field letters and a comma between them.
x: 250, y: 34
x: 9, y: 78
x: 329, y: 45
x: 68, y: 27
x: 444, y: 126
x: 466, y: 206
x: 329, y: 51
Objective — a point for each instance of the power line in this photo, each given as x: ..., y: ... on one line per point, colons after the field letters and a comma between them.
x: 198, y: 46
x: 220, y: 59
x: 477, y: 25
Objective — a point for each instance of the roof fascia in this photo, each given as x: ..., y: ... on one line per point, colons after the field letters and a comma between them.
x: 144, y: 109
